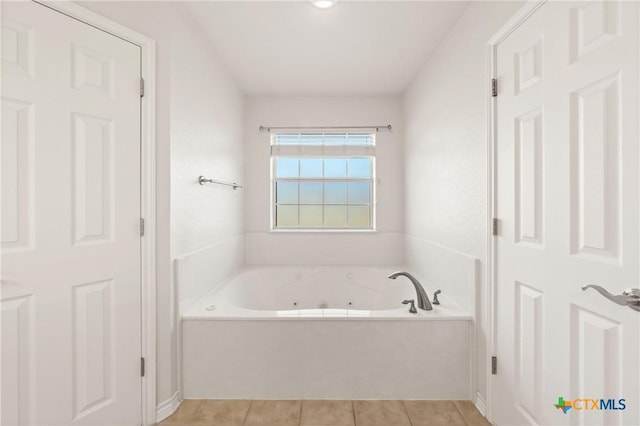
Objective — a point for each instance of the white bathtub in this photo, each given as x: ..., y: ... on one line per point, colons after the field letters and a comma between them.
x: 324, y: 332
x: 323, y: 292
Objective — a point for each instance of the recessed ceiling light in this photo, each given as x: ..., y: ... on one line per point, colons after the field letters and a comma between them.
x: 323, y: 4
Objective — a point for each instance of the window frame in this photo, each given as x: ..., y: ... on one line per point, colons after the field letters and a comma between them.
x: 366, y: 152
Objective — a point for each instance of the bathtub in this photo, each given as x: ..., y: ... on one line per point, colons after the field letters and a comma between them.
x: 323, y: 333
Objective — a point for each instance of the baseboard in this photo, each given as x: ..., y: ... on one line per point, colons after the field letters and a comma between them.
x: 167, y: 407
x: 481, y: 404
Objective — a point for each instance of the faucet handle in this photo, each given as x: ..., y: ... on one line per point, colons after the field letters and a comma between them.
x: 435, y: 297
x: 412, y: 309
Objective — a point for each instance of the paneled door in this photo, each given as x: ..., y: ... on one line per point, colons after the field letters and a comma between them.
x: 71, y: 338
x: 567, y: 191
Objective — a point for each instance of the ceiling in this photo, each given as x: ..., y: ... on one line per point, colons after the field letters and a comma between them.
x: 353, y: 48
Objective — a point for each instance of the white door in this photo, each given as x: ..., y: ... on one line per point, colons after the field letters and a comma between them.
x: 71, y: 339
x: 567, y: 190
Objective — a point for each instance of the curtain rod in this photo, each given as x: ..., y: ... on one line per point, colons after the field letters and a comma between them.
x: 269, y: 128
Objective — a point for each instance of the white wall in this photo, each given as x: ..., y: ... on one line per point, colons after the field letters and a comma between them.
x: 384, y: 247
x: 446, y: 149
x: 199, y: 127
x: 206, y: 139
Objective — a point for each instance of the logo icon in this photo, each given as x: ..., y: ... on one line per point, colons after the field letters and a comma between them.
x: 563, y: 405
x: 580, y: 404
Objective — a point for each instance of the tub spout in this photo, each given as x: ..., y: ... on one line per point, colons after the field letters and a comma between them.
x: 423, y: 299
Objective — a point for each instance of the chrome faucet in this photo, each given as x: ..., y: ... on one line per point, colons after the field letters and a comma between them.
x: 423, y: 299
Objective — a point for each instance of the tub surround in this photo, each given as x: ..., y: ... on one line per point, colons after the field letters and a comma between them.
x: 196, y: 273
x: 326, y: 333
x: 337, y: 359
x: 457, y: 274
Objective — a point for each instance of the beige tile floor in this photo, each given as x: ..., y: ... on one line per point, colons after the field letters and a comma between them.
x: 202, y: 412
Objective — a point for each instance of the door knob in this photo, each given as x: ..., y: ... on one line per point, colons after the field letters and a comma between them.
x: 630, y: 297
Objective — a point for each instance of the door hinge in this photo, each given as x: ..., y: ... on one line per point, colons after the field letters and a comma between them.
x: 141, y: 367
x: 141, y: 87
x: 494, y: 365
x: 142, y: 227
x: 494, y: 226
x: 494, y: 87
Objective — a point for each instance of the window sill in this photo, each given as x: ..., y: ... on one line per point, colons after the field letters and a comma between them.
x: 323, y: 231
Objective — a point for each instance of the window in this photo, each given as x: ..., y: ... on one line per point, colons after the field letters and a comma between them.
x: 323, y: 181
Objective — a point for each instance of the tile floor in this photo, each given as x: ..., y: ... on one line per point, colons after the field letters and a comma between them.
x: 201, y: 412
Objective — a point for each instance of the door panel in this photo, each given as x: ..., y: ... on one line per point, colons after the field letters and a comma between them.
x: 567, y: 198
x: 71, y: 339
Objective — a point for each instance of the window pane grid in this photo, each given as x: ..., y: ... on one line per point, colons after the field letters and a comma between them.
x: 314, y: 191
x: 349, y: 214
x: 299, y: 168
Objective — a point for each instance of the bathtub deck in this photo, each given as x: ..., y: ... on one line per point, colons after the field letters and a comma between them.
x: 197, y: 412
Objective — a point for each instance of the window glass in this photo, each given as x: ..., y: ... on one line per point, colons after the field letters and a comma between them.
x: 335, y: 216
x: 335, y: 192
x: 335, y: 139
x: 287, y: 192
x: 311, y: 139
x: 287, y: 167
x: 318, y: 185
x: 289, y: 139
x: 311, y: 216
x: 287, y: 216
x: 335, y: 167
x: 311, y: 167
x: 359, y: 167
x: 310, y: 192
x: 360, y: 140
x: 359, y: 192
x: 359, y: 217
